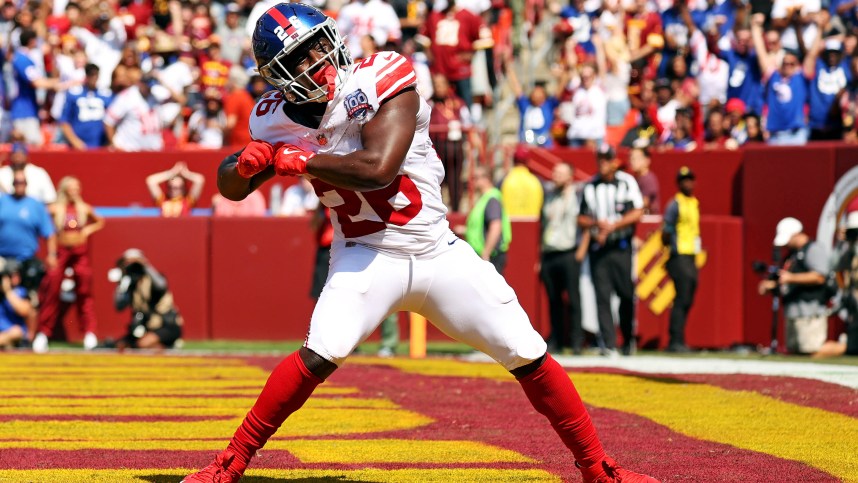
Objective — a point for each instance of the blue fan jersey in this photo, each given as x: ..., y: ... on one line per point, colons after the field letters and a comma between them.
x: 84, y: 111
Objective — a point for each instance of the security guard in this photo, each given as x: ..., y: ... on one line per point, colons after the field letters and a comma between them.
x: 681, y: 232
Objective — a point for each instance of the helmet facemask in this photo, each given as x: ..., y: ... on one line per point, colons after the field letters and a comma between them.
x: 295, y: 88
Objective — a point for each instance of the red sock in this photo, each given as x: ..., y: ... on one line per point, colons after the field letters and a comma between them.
x: 553, y: 395
x: 288, y: 387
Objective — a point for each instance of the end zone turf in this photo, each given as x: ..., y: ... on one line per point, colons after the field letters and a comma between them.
x: 93, y: 418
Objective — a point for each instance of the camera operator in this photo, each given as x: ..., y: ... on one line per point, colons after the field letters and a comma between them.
x: 155, y: 321
x: 801, y: 282
x: 15, y: 307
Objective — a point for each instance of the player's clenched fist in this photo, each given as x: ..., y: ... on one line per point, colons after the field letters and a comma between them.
x: 257, y: 155
x: 291, y: 160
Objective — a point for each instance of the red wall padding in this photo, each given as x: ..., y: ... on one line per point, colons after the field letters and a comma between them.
x: 250, y: 278
x: 179, y: 248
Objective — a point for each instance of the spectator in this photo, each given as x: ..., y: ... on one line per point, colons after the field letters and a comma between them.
x: 26, y: 79
x: 103, y: 44
x: 450, y: 121
x: 15, y: 307
x: 233, y: 40
x: 616, y: 76
x: 206, y: 124
x: 82, y: 120
x: 299, y: 199
x: 639, y: 162
x: 786, y: 92
x: 717, y: 134
x: 23, y: 221
x: 74, y: 221
x: 413, y: 51
x: 801, y: 282
x: 681, y: 233
x: 375, y: 18
x: 39, y: 185
x: 536, y: 111
x: 746, y: 79
x: 754, y: 129
x: 645, y: 39
x: 214, y: 70
x: 587, y: 110
x: 488, y: 229
x: 132, y: 122
x: 560, y: 261
x: 681, y: 137
x: 611, y: 206
x: 155, y: 321
x: 178, y: 200
x: 521, y: 190
x: 237, y: 105
x: 829, y: 77
x: 253, y: 205
x: 70, y: 66
x: 455, y: 34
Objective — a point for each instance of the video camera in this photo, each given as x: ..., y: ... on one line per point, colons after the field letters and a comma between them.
x: 768, y: 271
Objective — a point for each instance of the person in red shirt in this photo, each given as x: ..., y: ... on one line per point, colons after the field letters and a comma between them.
x: 645, y: 38
x: 455, y: 33
x: 237, y: 105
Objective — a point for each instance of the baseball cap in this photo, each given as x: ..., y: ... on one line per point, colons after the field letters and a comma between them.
x: 852, y: 220
x: 606, y: 152
x: 735, y: 105
x: 19, y: 147
x: 684, y: 173
x: 521, y: 154
x: 662, y: 84
x: 833, y: 44
x: 233, y: 7
x: 787, y: 228
x: 132, y: 253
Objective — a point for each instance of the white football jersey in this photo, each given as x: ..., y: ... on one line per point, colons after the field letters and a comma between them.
x: 408, y: 216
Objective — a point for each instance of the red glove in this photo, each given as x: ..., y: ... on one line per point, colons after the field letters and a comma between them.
x: 255, y: 157
x: 290, y: 160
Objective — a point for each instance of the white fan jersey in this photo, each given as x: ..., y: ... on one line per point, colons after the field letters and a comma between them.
x: 407, y: 217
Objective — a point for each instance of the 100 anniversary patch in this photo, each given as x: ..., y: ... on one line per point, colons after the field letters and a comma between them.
x: 357, y: 105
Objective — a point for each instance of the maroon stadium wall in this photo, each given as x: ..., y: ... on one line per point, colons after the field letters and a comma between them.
x: 212, y: 263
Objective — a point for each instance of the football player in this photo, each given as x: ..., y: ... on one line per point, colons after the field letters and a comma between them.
x: 359, y: 132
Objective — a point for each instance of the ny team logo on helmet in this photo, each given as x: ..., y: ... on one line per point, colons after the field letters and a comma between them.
x: 279, y: 32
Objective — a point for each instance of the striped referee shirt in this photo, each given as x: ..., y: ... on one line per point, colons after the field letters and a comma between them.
x: 610, y: 200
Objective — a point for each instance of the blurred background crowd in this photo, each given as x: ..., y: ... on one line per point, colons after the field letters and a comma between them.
x: 698, y: 74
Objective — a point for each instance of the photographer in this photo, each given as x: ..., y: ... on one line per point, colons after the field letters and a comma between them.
x: 155, y: 321
x: 14, y: 304
x: 801, y: 282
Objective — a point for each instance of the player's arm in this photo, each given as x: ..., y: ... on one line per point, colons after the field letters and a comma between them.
x: 235, y: 187
x: 386, y: 139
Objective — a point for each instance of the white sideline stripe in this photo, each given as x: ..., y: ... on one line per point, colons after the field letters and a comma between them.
x: 836, y: 374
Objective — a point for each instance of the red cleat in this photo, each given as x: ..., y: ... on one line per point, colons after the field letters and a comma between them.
x: 608, y: 471
x: 220, y: 471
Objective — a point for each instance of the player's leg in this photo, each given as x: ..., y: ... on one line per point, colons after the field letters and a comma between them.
x: 469, y: 301
x: 362, y: 288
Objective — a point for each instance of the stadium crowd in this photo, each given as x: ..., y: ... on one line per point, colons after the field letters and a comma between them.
x: 145, y: 75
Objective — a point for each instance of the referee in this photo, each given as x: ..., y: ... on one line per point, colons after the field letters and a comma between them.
x: 611, y: 205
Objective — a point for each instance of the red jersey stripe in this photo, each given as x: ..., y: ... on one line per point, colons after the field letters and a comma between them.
x: 399, y: 60
x: 399, y: 73
x: 282, y: 20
